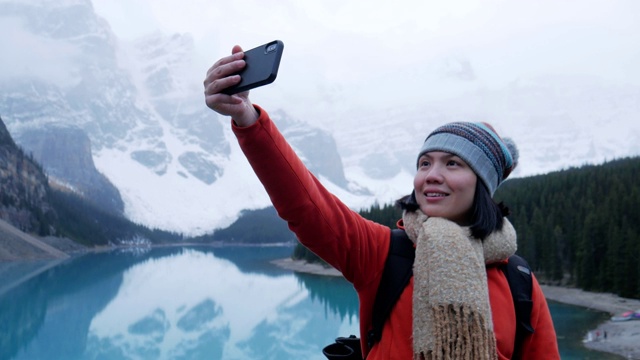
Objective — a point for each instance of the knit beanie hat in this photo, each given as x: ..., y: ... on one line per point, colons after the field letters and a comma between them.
x: 491, y: 157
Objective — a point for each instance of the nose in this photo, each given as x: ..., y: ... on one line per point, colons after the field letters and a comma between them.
x: 434, y: 174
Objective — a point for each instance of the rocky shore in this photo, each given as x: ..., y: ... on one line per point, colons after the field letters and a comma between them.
x: 623, y: 337
x: 16, y: 245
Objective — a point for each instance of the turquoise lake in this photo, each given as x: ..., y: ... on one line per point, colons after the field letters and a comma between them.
x: 193, y: 303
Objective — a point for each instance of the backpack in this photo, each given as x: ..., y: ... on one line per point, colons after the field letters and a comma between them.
x: 397, y: 273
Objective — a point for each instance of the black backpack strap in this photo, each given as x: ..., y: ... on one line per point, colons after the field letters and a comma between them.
x: 520, y: 280
x: 398, y: 270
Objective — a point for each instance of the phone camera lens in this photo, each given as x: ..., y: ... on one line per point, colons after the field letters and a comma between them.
x: 271, y: 48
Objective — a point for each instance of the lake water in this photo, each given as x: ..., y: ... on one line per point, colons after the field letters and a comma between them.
x: 192, y: 303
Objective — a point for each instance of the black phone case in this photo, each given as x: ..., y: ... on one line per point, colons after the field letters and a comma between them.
x: 261, y: 68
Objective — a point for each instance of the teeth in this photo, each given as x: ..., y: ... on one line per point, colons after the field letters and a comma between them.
x: 436, y: 194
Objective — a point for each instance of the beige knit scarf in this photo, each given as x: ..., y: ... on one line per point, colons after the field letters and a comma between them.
x: 451, y: 310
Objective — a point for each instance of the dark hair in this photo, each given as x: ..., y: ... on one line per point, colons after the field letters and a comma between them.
x: 486, y: 215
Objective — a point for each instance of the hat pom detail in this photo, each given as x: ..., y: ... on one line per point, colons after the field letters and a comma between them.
x: 513, y: 150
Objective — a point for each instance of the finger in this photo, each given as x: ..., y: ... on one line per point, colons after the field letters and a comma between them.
x: 222, y: 103
x: 221, y: 100
x: 216, y: 86
x: 236, y: 49
x: 223, y: 72
x: 227, y: 60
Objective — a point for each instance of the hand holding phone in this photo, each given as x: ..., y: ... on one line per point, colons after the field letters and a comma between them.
x: 261, y: 67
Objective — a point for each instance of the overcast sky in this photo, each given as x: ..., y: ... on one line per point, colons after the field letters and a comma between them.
x: 525, y: 35
x: 368, y: 53
x: 390, y: 51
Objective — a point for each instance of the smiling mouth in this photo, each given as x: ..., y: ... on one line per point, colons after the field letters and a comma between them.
x: 436, y: 195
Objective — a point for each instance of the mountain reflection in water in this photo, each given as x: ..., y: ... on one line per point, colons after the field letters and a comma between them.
x: 172, y: 303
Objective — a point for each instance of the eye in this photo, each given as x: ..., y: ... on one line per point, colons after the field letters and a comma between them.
x: 424, y: 162
x: 455, y: 161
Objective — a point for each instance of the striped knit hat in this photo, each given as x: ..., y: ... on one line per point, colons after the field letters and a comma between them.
x: 491, y: 157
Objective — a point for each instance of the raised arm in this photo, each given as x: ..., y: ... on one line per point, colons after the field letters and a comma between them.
x: 355, y: 246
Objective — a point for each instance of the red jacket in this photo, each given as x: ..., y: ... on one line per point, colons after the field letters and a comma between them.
x: 358, y: 248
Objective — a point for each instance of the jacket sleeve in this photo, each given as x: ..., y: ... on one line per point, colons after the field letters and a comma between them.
x: 355, y: 246
x: 543, y: 343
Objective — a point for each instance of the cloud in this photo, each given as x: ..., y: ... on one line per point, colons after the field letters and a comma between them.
x: 25, y: 55
x: 347, y: 35
x: 374, y: 54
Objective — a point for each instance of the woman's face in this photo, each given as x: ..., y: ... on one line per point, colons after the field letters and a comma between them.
x: 445, y: 186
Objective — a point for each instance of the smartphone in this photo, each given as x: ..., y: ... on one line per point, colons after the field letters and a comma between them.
x: 261, y: 68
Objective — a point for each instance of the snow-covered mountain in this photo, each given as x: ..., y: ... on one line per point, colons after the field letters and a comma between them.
x: 177, y: 165
x: 173, y: 160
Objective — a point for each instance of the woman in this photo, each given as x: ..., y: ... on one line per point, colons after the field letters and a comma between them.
x: 458, y: 304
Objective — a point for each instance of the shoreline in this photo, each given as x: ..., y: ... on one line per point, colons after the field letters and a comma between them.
x: 623, y: 337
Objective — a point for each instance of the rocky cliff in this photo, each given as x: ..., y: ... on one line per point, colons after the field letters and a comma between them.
x: 24, y: 197
x: 66, y: 154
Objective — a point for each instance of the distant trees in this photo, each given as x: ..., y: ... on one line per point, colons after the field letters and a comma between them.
x: 85, y: 223
x: 577, y: 227
x: 252, y: 227
x: 581, y: 226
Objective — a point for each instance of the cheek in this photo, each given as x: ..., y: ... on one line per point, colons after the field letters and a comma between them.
x: 470, y: 186
x: 418, y: 180
x: 466, y: 186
